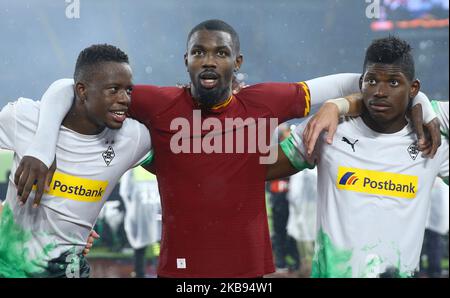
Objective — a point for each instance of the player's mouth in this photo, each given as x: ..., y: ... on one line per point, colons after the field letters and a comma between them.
x: 119, y: 115
x: 209, y: 79
x: 379, y: 105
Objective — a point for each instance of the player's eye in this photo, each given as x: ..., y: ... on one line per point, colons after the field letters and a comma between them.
x: 197, y: 52
x: 371, y: 82
x: 129, y: 90
x: 113, y: 89
x: 222, y: 53
x: 394, y: 83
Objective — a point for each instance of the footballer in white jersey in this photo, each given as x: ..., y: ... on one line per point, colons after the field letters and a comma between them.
x: 96, y: 145
x: 373, y: 199
x: 373, y: 184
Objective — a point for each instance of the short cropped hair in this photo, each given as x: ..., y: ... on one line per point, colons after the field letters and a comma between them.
x: 96, y: 54
x: 218, y: 25
x: 391, y: 50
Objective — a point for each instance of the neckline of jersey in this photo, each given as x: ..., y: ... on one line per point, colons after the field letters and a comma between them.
x: 217, y: 109
x: 90, y: 137
x: 370, y: 132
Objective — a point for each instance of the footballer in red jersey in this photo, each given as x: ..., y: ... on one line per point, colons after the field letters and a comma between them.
x: 214, y: 213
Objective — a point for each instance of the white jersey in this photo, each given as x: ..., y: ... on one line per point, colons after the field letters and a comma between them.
x: 139, y: 192
x: 441, y: 109
x: 438, y: 217
x: 302, y: 196
x: 373, y: 199
x: 88, y: 168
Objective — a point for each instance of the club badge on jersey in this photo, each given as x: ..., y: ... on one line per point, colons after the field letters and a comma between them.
x: 108, y: 155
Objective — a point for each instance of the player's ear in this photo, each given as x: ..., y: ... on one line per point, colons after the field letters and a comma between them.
x: 238, y: 62
x: 80, y: 91
x: 361, y: 82
x: 415, y: 88
x: 186, y: 59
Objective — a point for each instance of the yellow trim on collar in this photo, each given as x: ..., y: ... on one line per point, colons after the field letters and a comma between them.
x: 224, y: 104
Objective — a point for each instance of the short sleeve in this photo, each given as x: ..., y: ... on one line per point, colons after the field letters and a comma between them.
x: 144, y: 102
x: 8, y: 126
x: 143, y: 144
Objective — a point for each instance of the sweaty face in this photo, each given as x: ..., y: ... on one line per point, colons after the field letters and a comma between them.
x: 210, y: 60
x: 386, y: 95
x: 107, y: 94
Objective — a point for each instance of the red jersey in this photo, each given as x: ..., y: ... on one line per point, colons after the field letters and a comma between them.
x: 213, y: 204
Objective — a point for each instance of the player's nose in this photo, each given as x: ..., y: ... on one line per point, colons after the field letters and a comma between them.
x: 124, y: 97
x: 209, y: 61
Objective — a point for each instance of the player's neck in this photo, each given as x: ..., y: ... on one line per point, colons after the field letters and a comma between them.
x: 223, y: 98
x: 78, y: 120
x: 385, y: 127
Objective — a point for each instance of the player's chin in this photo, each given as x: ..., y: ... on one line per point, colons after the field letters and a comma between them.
x: 114, y: 124
x: 380, y: 116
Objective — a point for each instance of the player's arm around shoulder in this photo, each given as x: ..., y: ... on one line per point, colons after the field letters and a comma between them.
x: 35, y: 167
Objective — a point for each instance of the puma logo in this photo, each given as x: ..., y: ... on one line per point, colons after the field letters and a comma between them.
x: 344, y: 139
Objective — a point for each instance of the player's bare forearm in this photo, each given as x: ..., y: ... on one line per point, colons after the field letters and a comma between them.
x: 281, y: 168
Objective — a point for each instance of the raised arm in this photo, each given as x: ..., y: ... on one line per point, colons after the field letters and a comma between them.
x: 332, y: 86
x: 34, y: 168
x: 55, y: 104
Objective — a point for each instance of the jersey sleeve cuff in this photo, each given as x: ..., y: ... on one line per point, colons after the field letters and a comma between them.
x: 295, y: 158
x: 148, y: 159
x: 43, y: 157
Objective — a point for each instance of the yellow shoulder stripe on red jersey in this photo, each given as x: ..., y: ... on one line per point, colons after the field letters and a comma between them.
x: 307, y: 98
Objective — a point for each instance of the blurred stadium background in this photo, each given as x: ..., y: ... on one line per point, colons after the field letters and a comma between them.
x: 282, y: 40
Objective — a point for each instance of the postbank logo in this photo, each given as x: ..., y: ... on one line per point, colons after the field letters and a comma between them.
x: 76, y: 188
x: 378, y: 183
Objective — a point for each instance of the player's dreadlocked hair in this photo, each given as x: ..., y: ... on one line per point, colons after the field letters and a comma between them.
x: 95, y: 54
x: 218, y: 25
x: 391, y: 50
